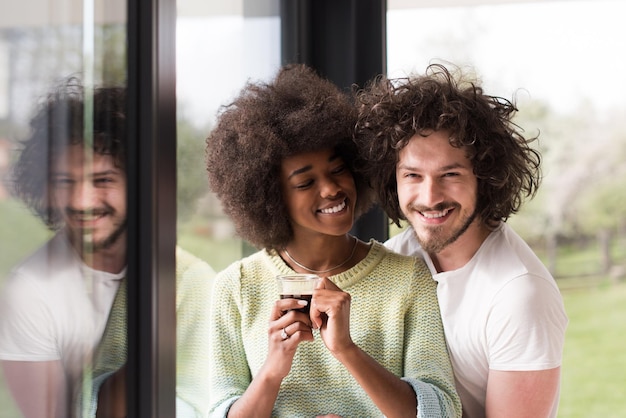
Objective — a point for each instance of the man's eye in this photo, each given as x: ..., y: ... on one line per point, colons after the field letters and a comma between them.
x: 61, y: 182
x: 103, y: 181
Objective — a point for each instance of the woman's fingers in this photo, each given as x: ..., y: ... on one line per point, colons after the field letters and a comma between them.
x: 288, y: 319
x: 330, y: 313
x: 325, y: 283
x: 285, y: 306
x: 296, y: 331
x: 317, y: 313
x: 286, y: 330
x: 329, y: 301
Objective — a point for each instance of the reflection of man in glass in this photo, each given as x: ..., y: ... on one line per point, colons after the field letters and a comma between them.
x: 55, y: 307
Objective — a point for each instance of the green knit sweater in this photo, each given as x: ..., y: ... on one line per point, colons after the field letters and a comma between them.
x: 194, y: 279
x: 394, y: 317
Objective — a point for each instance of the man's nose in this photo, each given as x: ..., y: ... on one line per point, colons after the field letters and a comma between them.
x: 83, y: 196
x: 431, y: 192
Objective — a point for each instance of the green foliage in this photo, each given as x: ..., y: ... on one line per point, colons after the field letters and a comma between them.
x: 605, y: 206
x: 20, y: 235
x: 195, y: 237
x: 192, y: 181
x: 532, y: 220
x: 584, y: 167
x: 593, y: 378
x: 111, y: 54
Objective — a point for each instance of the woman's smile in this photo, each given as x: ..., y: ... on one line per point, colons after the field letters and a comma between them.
x: 334, y: 209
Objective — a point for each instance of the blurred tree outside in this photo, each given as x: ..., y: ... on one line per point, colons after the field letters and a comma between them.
x: 202, y: 227
x: 192, y: 182
x: 582, y: 197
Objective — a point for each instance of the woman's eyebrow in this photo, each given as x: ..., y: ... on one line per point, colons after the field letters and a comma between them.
x: 308, y: 167
x: 300, y: 171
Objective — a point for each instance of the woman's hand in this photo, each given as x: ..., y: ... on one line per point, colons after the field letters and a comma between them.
x: 330, y: 313
x: 288, y: 327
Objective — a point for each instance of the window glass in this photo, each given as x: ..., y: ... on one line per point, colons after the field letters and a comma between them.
x: 62, y: 197
x: 562, y: 62
x: 220, y: 46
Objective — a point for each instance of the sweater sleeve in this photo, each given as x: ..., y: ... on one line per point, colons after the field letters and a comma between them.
x: 230, y: 375
x: 427, y: 364
x: 194, y: 279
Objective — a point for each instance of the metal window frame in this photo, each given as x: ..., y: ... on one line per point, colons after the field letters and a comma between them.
x: 151, y: 373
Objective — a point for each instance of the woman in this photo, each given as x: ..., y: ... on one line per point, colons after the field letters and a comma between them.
x: 281, y: 161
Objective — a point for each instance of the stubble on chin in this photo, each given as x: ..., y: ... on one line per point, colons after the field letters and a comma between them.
x: 112, y: 239
x: 433, y: 239
x: 85, y: 243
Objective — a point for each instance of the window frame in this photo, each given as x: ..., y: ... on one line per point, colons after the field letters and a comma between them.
x: 151, y: 373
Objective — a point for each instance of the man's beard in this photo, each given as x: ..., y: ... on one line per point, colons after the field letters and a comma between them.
x: 89, y: 246
x: 436, y: 241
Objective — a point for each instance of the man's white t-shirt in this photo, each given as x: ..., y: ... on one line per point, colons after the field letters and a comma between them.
x: 501, y: 311
x: 54, y: 307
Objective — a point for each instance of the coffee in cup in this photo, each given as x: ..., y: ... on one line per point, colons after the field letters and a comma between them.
x: 297, y: 286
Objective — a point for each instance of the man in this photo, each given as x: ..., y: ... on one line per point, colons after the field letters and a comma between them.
x: 446, y: 157
x: 57, y: 303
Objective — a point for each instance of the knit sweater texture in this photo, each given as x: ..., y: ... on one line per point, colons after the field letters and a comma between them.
x: 394, y: 317
x: 193, y: 287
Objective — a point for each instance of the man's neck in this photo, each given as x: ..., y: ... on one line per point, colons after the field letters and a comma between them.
x: 461, y: 251
x: 111, y: 259
x: 105, y: 260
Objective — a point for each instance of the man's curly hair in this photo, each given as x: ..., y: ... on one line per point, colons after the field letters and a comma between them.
x: 297, y: 112
x: 60, y: 122
x: 391, y: 112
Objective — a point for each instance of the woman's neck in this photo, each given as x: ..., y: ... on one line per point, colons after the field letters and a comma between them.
x: 322, y: 256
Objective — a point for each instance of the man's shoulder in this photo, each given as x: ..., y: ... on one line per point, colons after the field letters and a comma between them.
x: 51, y: 259
x: 508, y: 251
x: 405, y: 243
x: 46, y: 283
x: 400, y: 262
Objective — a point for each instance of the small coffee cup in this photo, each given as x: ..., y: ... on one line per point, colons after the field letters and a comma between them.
x: 297, y: 286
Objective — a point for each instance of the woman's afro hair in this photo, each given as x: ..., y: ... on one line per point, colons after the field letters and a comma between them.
x: 295, y: 113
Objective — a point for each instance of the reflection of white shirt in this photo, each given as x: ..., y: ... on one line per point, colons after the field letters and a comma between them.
x: 501, y: 311
x: 54, y: 307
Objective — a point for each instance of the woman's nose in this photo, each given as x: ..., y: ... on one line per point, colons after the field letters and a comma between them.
x: 330, y: 188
